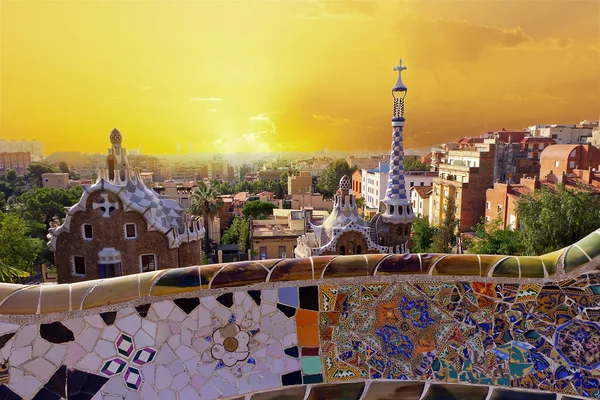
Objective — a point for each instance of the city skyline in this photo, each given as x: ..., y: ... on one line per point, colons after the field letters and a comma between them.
x: 295, y: 77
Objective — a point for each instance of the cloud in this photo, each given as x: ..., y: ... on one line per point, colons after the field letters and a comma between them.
x: 341, y: 9
x: 206, y: 99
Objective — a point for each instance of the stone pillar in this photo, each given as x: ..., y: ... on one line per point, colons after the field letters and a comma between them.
x: 220, y: 256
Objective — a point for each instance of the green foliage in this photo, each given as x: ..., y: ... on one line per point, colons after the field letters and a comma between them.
x: 206, y: 202
x: 2, y: 202
x: 238, y: 233
x: 63, y: 167
x: 12, y: 184
x: 35, y: 171
x: 41, y: 205
x: 18, y: 251
x: 422, y: 235
x: 329, y: 180
x: 492, y: 239
x: 445, y: 236
x: 412, y: 163
x: 360, y: 202
x: 552, y: 220
x: 278, y: 188
x: 258, y: 209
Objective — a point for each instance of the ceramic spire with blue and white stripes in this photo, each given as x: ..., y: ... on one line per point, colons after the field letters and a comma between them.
x: 397, y: 206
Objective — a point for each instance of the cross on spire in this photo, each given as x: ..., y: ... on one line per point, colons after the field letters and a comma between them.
x: 400, y: 67
x: 399, y: 85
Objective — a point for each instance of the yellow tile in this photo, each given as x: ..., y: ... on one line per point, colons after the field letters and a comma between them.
x: 112, y: 291
x: 78, y: 292
x: 177, y: 280
x: 22, y: 302
x: 8, y: 288
x: 54, y: 298
x: 146, y: 281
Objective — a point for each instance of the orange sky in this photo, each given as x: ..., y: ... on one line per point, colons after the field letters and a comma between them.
x: 227, y: 76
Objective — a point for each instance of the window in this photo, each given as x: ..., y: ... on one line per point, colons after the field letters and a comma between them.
x: 110, y: 270
x: 499, y: 207
x: 412, y: 184
x: 437, y: 190
x: 79, y: 266
x: 422, y: 183
x: 488, y: 205
x: 556, y: 164
x: 571, y: 164
x: 281, y: 252
x: 263, y: 252
x: 458, y: 195
x: 148, y: 262
x: 487, y: 219
x: 130, y: 231
x: 88, y: 232
x: 445, y: 192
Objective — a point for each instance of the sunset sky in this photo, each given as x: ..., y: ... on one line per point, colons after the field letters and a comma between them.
x: 226, y: 76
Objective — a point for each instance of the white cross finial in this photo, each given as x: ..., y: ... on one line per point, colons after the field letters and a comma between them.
x: 400, y: 67
x: 106, y: 206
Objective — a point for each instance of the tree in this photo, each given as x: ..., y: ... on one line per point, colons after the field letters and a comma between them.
x: 553, y: 219
x: 444, y: 237
x: 491, y: 239
x: 18, y: 251
x: 422, y: 235
x: 2, y: 202
x: 329, y: 180
x: 42, y: 205
x: 35, y: 171
x: 206, y: 202
x: 258, y: 209
x: 238, y: 233
x: 412, y: 163
x: 63, y: 167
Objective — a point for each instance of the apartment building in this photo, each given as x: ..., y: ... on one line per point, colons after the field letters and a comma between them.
x: 300, y: 183
x: 18, y: 161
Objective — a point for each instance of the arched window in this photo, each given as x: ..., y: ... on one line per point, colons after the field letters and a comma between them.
x: 111, y: 168
x: 342, y: 250
x: 400, y: 210
x: 358, y: 249
x: 391, y: 209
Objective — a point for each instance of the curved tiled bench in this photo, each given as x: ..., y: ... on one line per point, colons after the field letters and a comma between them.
x: 362, y: 326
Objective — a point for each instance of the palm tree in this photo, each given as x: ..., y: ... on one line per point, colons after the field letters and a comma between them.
x: 206, y: 202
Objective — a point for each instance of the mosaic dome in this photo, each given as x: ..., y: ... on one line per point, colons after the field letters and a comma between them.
x: 116, y: 137
x: 345, y: 183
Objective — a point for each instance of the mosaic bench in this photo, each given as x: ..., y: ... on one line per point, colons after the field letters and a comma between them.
x: 418, y: 326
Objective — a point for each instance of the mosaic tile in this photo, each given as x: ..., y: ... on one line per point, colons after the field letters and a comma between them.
x: 288, y: 296
x: 507, y: 268
x: 590, y: 244
x: 399, y: 264
x: 56, y: 333
x: 458, y: 265
x: 178, y: 280
x: 239, y: 274
x: 296, y: 393
x: 24, y: 301
x: 355, y: 265
x: 349, y: 391
x: 575, y: 258
x: 292, y: 269
x: 187, y: 305
x: 463, y: 392
x: 394, y: 390
x: 112, y: 292
x: 109, y: 317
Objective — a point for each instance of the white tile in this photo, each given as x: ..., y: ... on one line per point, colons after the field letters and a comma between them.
x: 130, y: 324
x: 88, y: 338
x: 7, y: 349
x: 142, y: 339
x: 148, y: 373
x: 131, y: 395
x: 189, y: 393
x: 174, y: 341
x: 94, y: 320
x: 180, y: 381
x: 201, y: 345
x: 20, y: 355
x: 8, y: 328
x: 192, y: 364
x: 209, y: 392
x: 40, y: 368
x: 186, y: 336
x: 177, y: 315
x: 165, y: 356
x: 190, y: 323
x: 209, y: 302
x: 40, y: 346
x: 203, y: 317
x: 105, y: 349
x: 163, y: 333
x: 115, y: 385
x: 239, y: 297
x: 163, y: 377
x: 290, y: 340
x: 279, y: 318
x: 26, y: 335
x: 27, y: 386
x: 74, y: 353
x: 124, y: 312
x: 76, y: 325
x: 90, y: 363
x: 147, y: 393
x: 222, y: 314
x: 152, y: 315
x: 269, y: 296
x: 176, y: 368
x: 14, y: 374
x: 110, y: 333
x: 56, y: 354
x: 268, y: 309
x: 163, y: 308
x: 167, y: 394
x: 149, y: 327
x: 185, y: 353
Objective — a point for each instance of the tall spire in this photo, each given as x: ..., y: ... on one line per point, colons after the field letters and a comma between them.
x: 395, y: 207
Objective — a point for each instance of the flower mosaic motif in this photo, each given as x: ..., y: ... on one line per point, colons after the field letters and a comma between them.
x: 579, y: 343
x: 230, y: 345
x: 126, y: 348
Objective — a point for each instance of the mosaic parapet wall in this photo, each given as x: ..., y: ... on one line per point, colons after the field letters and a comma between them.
x: 348, y: 327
